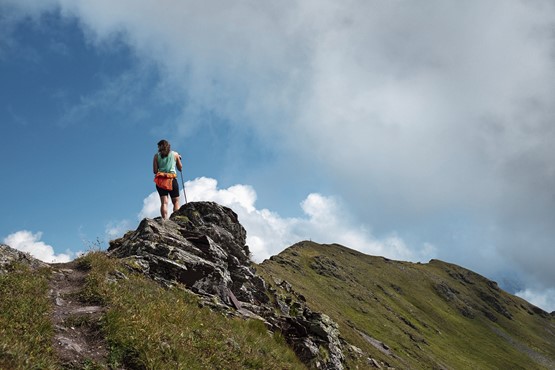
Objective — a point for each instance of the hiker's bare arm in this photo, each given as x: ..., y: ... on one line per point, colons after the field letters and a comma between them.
x: 178, y: 161
x: 155, y: 165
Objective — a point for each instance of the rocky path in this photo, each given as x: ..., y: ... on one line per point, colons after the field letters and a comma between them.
x: 78, y: 340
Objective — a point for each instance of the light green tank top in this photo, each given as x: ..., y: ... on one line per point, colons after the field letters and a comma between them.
x: 167, y: 164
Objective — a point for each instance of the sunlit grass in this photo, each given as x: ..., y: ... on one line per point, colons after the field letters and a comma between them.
x: 25, y: 328
x: 395, y: 303
x: 149, y: 327
x: 145, y: 326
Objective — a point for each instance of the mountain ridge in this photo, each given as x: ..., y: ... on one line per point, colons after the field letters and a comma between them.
x: 335, y: 307
x: 402, y: 295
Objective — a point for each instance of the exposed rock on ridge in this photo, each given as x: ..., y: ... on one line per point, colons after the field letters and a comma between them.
x: 8, y: 256
x: 203, y: 246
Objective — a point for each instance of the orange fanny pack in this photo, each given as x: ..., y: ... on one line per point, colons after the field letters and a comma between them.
x: 164, y: 180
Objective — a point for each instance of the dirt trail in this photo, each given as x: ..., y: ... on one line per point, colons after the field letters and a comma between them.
x: 78, y: 340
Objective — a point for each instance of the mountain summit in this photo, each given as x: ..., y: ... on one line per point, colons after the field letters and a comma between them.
x: 202, y: 246
x: 184, y: 293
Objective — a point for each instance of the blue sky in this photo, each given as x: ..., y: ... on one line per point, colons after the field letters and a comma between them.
x: 413, y: 131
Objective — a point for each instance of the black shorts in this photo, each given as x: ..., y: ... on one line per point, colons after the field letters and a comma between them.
x: 174, y: 193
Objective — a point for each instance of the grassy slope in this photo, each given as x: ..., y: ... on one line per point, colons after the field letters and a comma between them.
x: 146, y: 326
x: 149, y: 327
x: 25, y: 328
x: 417, y: 310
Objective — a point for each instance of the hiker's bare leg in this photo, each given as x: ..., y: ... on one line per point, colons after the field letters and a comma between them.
x: 164, y: 206
x: 175, y: 202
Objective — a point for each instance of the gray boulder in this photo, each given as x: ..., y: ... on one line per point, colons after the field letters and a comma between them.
x: 314, y: 336
x: 202, y: 246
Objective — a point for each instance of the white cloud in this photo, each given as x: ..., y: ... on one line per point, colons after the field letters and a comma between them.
x: 204, y: 189
x: 28, y: 242
x: 325, y: 221
x: 544, y: 298
x: 151, y: 206
x: 117, y: 229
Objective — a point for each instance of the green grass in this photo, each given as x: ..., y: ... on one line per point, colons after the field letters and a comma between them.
x: 145, y: 326
x: 25, y: 328
x: 149, y: 327
x: 396, y: 303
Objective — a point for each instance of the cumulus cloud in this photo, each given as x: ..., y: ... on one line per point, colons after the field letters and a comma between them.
x: 151, y: 206
x: 116, y: 229
x: 325, y: 220
x: 31, y: 243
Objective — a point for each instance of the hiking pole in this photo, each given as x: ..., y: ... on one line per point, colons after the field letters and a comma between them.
x: 183, y: 182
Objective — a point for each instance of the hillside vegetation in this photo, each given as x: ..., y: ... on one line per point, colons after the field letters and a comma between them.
x: 102, y: 312
x: 145, y: 326
x: 25, y: 329
x: 419, y: 316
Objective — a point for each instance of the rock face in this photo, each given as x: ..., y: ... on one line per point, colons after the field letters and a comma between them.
x: 313, y: 335
x: 203, y: 246
x: 9, y: 256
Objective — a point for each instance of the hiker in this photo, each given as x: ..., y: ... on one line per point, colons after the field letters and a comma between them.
x: 163, y: 166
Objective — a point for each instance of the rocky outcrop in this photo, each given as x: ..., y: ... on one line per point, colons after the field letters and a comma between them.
x: 314, y: 336
x: 203, y: 246
x: 10, y: 256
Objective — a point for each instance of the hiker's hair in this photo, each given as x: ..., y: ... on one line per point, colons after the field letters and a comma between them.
x: 164, y: 147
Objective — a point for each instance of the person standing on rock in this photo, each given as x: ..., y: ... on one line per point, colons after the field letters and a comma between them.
x: 164, y: 168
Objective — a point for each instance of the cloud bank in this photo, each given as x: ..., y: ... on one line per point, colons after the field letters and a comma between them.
x: 325, y: 221
x: 413, y: 109
x: 434, y: 118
